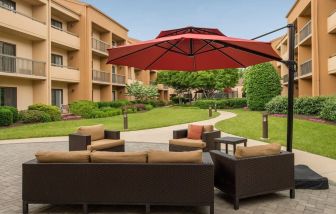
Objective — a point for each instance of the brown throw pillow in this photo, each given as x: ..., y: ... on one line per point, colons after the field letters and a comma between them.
x: 96, y: 131
x: 63, y: 157
x: 195, y: 132
x: 208, y: 128
x: 118, y: 157
x: 255, y: 151
x: 175, y: 157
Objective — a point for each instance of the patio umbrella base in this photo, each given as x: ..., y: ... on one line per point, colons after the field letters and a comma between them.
x: 306, y: 178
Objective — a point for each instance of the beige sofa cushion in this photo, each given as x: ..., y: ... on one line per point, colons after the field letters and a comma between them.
x: 188, y: 142
x: 96, y: 131
x: 175, y: 157
x: 208, y: 128
x: 105, y: 144
x: 63, y: 157
x: 118, y: 157
x: 254, y: 151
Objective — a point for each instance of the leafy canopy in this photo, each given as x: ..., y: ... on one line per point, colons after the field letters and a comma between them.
x: 141, y: 92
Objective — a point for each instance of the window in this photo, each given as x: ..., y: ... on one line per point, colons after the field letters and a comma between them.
x: 8, y: 4
x: 56, y: 60
x: 8, y: 96
x: 114, y: 70
x: 56, y: 24
x: 129, y: 73
x: 114, y: 44
x: 57, y: 97
x: 7, y: 63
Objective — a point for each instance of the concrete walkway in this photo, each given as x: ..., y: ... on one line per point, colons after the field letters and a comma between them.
x: 323, y: 165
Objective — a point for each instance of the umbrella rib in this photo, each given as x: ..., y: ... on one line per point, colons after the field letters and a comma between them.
x: 172, y: 50
x: 174, y: 45
x: 227, y: 55
x: 162, y: 55
x: 207, y: 43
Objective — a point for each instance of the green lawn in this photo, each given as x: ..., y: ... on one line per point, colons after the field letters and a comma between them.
x: 308, y: 136
x: 158, y: 117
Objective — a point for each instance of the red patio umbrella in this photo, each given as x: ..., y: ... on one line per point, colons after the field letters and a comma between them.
x: 192, y: 49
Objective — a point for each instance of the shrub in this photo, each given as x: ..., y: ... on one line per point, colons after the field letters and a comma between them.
x: 309, y: 105
x: 148, y: 107
x: 328, y: 111
x: 6, y: 117
x: 278, y: 105
x: 113, y: 104
x: 34, y: 116
x: 53, y: 111
x: 261, y: 83
x: 177, y: 99
x: 221, y: 103
x: 14, y: 112
x: 83, y: 108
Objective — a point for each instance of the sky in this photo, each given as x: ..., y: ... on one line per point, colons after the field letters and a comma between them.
x: 238, y: 18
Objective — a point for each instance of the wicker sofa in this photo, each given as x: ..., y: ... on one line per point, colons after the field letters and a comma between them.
x: 247, y: 177
x: 184, y: 184
x: 180, y: 142
x: 96, y: 138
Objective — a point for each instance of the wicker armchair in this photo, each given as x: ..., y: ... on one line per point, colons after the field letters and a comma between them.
x: 247, y: 177
x: 206, y: 143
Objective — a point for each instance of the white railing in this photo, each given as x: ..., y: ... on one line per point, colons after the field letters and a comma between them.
x: 305, y: 31
x: 100, y: 45
x: 101, y: 76
x: 119, y: 79
x: 20, y: 13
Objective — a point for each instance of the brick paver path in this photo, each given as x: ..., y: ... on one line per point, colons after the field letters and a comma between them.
x: 13, y: 155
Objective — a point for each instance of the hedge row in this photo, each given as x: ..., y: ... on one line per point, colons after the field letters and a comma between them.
x: 221, y: 103
x: 325, y: 107
x: 8, y: 115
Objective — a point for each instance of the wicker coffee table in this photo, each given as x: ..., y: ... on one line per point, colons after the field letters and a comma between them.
x: 231, y: 140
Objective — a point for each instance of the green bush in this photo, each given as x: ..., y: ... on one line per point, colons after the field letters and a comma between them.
x: 309, y: 105
x: 83, y: 108
x: 113, y: 104
x: 177, y: 99
x: 278, y: 105
x: 328, y: 111
x: 53, y: 111
x: 221, y: 103
x: 261, y: 83
x: 34, y: 116
x: 148, y: 107
x: 14, y: 112
x: 6, y: 117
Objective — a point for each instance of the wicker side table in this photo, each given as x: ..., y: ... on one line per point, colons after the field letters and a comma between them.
x: 231, y: 140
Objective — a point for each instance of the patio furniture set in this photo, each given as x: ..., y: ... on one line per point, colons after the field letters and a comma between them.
x: 97, y: 170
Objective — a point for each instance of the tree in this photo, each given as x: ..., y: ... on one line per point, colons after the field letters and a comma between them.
x: 261, y: 83
x: 141, y: 92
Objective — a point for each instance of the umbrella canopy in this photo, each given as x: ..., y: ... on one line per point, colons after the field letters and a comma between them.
x: 192, y: 49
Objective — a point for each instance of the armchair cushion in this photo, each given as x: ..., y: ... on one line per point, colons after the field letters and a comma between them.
x: 96, y: 131
x: 254, y: 151
x: 175, y: 157
x: 195, y: 132
x: 104, y: 144
x: 63, y: 157
x: 118, y: 157
x: 208, y: 128
x: 188, y: 142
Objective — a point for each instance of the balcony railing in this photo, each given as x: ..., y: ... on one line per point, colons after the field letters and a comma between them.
x: 100, y: 45
x: 64, y: 66
x: 101, y: 76
x: 296, y: 41
x: 118, y: 79
x: 332, y: 22
x: 306, y: 68
x: 65, y: 31
x: 18, y: 65
x: 306, y: 31
x: 20, y: 13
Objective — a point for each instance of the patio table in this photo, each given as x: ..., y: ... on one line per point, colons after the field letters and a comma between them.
x: 231, y: 140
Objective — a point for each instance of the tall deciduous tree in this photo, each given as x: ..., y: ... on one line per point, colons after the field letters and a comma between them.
x: 141, y: 92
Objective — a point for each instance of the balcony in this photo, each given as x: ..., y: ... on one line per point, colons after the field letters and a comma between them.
x: 305, y: 34
x: 100, y: 47
x: 18, y: 23
x: 332, y: 65
x: 306, y: 69
x: 118, y: 79
x: 21, y: 67
x: 64, y: 39
x: 332, y: 22
x: 64, y: 74
x: 101, y: 77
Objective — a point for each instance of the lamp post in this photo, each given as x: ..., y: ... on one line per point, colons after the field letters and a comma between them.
x: 264, y: 126
x: 125, y: 116
x: 210, y: 111
x: 215, y: 107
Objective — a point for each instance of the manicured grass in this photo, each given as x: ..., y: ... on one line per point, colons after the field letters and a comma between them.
x: 155, y: 118
x: 308, y: 136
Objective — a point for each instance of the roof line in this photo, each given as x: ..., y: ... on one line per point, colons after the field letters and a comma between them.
x: 292, y: 8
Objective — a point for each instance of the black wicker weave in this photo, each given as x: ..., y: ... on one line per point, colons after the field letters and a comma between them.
x: 247, y: 177
x: 119, y: 183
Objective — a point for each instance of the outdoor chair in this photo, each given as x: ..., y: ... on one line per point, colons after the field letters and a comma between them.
x: 251, y: 176
x: 183, y: 142
x: 96, y: 138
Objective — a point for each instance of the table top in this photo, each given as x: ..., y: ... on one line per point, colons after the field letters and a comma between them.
x: 231, y: 140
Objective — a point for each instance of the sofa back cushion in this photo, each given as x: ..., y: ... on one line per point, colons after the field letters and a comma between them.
x: 118, y: 157
x: 175, y: 157
x: 255, y: 151
x: 195, y: 131
x: 96, y: 131
x: 208, y: 128
x: 63, y: 157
